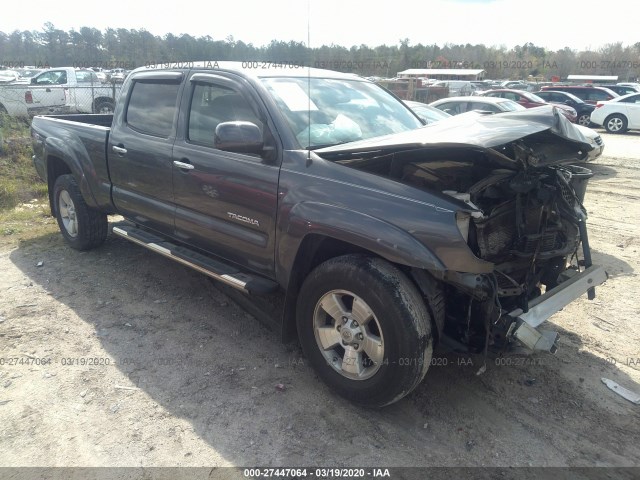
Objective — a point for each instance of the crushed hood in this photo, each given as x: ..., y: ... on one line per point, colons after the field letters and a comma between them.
x: 546, y: 134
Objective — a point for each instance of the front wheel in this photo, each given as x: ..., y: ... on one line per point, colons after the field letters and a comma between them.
x: 615, y: 123
x: 82, y: 227
x: 365, y: 329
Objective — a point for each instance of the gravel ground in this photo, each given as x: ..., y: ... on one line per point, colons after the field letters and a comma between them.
x: 119, y: 357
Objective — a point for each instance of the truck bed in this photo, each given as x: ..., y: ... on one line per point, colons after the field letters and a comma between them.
x: 81, y: 139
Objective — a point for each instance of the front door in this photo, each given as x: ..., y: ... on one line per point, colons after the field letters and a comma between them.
x: 225, y: 202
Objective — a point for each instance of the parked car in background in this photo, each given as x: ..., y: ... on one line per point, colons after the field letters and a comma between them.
x: 630, y: 84
x: 517, y: 84
x: 427, y: 113
x: 590, y: 95
x: 457, y: 87
x: 117, y: 75
x: 582, y: 108
x: 622, y: 89
x: 595, y: 140
x: 482, y: 85
x: 26, y: 74
x: 8, y: 76
x: 619, y: 114
x: 100, y: 73
x: 458, y: 105
x: 529, y: 100
x: 58, y: 90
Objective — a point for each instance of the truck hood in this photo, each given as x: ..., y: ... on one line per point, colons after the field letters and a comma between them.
x: 544, y: 135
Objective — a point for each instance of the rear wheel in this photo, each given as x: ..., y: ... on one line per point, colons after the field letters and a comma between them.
x: 365, y: 329
x: 82, y: 227
x: 584, y: 119
x: 105, y: 106
x: 615, y: 123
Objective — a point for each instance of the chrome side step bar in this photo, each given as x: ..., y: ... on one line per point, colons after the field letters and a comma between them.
x: 215, y: 269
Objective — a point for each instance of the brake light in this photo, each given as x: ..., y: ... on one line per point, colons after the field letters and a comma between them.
x: 28, y: 98
x: 599, y: 104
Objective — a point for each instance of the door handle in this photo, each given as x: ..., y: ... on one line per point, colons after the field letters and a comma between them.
x: 119, y: 150
x: 48, y: 90
x: 183, y: 165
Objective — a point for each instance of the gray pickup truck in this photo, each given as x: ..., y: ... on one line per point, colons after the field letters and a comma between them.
x: 385, y: 236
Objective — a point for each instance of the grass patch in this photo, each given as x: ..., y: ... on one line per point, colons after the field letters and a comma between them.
x: 19, y: 182
x: 24, y: 206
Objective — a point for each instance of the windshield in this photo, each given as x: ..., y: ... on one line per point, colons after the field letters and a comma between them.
x: 324, y: 112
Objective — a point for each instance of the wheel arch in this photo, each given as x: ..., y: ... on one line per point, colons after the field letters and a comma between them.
x: 318, y: 248
x: 62, y: 158
x: 616, y: 114
x: 56, y: 167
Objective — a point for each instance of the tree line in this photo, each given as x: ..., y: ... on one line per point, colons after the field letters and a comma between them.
x: 130, y: 48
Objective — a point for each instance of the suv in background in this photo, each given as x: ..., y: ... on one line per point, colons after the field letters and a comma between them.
x: 582, y: 108
x: 622, y: 89
x: 590, y: 95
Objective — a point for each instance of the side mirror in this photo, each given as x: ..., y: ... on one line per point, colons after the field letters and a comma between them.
x: 33, y: 80
x: 239, y: 137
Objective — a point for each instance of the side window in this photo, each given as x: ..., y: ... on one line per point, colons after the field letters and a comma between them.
x: 598, y: 95
x: 581, y: 94
x: 453, y: 108
x: 214, y: 104
x: 152, y: 107
x: 55, y: 77
x: 632, y: 99
x: 487, y: 107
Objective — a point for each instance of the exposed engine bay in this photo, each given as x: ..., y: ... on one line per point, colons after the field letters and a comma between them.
x: 519, y: 210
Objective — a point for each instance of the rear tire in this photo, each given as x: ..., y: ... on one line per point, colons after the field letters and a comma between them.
x: 105, y: 106
x: 584, y: 119
x: 615, y: 123
x: 365, y: 329
x: 82, y: 227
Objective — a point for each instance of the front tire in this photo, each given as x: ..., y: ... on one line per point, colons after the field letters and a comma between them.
x: 82, y: 227
x: 615, y: 123
x: 365, y: 329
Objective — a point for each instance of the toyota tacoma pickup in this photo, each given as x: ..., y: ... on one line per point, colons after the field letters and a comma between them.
x: 385, y: 236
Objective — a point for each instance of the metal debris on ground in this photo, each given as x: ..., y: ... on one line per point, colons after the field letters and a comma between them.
x: 623, y: 392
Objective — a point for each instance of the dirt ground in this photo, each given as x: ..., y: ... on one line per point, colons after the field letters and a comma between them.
x: 119, y: 357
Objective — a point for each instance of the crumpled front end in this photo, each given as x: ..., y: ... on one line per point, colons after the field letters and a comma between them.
x: 519, y: 198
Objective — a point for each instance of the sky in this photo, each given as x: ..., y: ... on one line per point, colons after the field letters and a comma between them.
x: 553, y: 24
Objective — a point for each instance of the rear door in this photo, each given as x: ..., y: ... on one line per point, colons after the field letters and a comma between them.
x: 225, y: 202
x: 140, y: 150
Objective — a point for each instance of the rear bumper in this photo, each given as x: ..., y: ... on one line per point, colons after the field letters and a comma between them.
x: 526, y: 325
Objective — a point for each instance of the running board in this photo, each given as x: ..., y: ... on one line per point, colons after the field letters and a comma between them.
x: 215, y: 269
